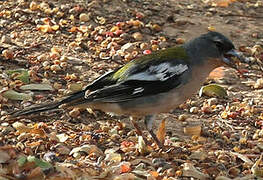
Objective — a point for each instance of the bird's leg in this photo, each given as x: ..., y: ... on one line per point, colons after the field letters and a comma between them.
x: 138, y: 129
x: 149, y: 119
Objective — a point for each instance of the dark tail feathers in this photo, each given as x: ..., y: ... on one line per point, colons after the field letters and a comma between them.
x: 72, y: 99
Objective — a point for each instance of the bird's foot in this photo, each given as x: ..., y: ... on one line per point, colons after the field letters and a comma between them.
x: 159, y: 144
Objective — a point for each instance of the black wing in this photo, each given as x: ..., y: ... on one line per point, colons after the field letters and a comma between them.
x: 153, y: 80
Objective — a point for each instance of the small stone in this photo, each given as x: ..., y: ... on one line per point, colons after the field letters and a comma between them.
x: 159, y: 162
x: 156, y: 27
x: 23, y: 136
x: 193, y: 110
x: 128, y: 47
x: 198, y: 155
x: 8, y: 54
x: 74, y: 112
x: 144, y: 46
x: 55, y: 67
x: 234, y: 171
x: 179, y: 40
x: 33, y: 6
x: 6, y: 39
x: 7, y: 130
x: 206, y: 109
x: 62, y: 149
x: 115, y: 137
x: 212, y: 101
x: 155, y: 47
x: 182, y: 117
x: 83, y: 17
x: 137, y: 36
x: 259, y: 84
x: 141, y: 166
x: 170, y: 172
x: 116, y: 57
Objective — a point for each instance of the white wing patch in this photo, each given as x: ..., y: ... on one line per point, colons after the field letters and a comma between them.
x: 160, y: 72
x: 138, y: 90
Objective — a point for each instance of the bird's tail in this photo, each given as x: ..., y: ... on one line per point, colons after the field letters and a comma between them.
x: 70, y: 101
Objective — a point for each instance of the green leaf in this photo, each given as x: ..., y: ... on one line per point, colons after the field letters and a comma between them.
x: 40, y: 163
x: 21, y: 74
x: 21, y: 161
x: 13, y: 95
x: 213, y: 90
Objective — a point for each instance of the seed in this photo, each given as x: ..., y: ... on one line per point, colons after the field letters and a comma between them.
x: 83, y: 17
x: 55, y: 67
x: 8, y: 54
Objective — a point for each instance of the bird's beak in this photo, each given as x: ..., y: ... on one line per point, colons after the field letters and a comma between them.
x: 230, y: 58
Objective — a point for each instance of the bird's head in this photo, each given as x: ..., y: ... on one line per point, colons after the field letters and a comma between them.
x: 224, y: 48
x: 215, y: 47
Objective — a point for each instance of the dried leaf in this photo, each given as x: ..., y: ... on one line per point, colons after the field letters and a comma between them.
x: 190, y: 171
x: 242, y: 157
x: 39, y: 87
x: 87, y: 148
x: 4, y: 156
x: 257, y: 171
x: 20, y: 127
x: 13, y: 95
x: 213, y: 90
x: 62, y: 137
x: 193, y: 130
x: 21, y: 160
x: 114, y: 157
x: 20, y: 74
x: 161, y: 132
x: 142, y: 147
x: 39, y: 163
x: 125, y: 167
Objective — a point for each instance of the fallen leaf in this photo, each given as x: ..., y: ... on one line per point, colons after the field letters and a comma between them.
x: 13, y: 95
x: 161, y: 131
x: 20, y: 74
x: 193, y: 130
x: 4, y: 156
x: 62, y: 137
x: 213, y: 90
x: 242, y: 157
x: 190, y: 171
x: 257, y: 171
x: 39, y: 163
x: 39, y: 87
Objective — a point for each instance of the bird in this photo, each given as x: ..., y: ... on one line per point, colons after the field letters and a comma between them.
x: 152, y: 84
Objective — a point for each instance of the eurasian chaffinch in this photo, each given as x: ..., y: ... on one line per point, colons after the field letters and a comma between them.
x: 153, y: 83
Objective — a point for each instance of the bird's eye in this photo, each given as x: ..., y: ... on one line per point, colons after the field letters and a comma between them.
x: 219, y: 45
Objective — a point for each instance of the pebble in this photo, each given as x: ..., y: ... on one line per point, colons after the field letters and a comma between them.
x: 159, y: 162
x: 62, y: 149
x: 170, y: 172
x: 6, y: 39
x: 137, y: 36
x: 141, y: 166
x: 8, y: 54
x: 259, y: 84
x: 193, y: 110
x: 23, y: 136
x: 7, y: 130
x: 198, y: 155
x: 212, y: 101
x: 128, y: 47
x: 83, y: 17
x: 50, y: 157
x: 55, y: 67
x: 182, y: 117
x: 74, y: 112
